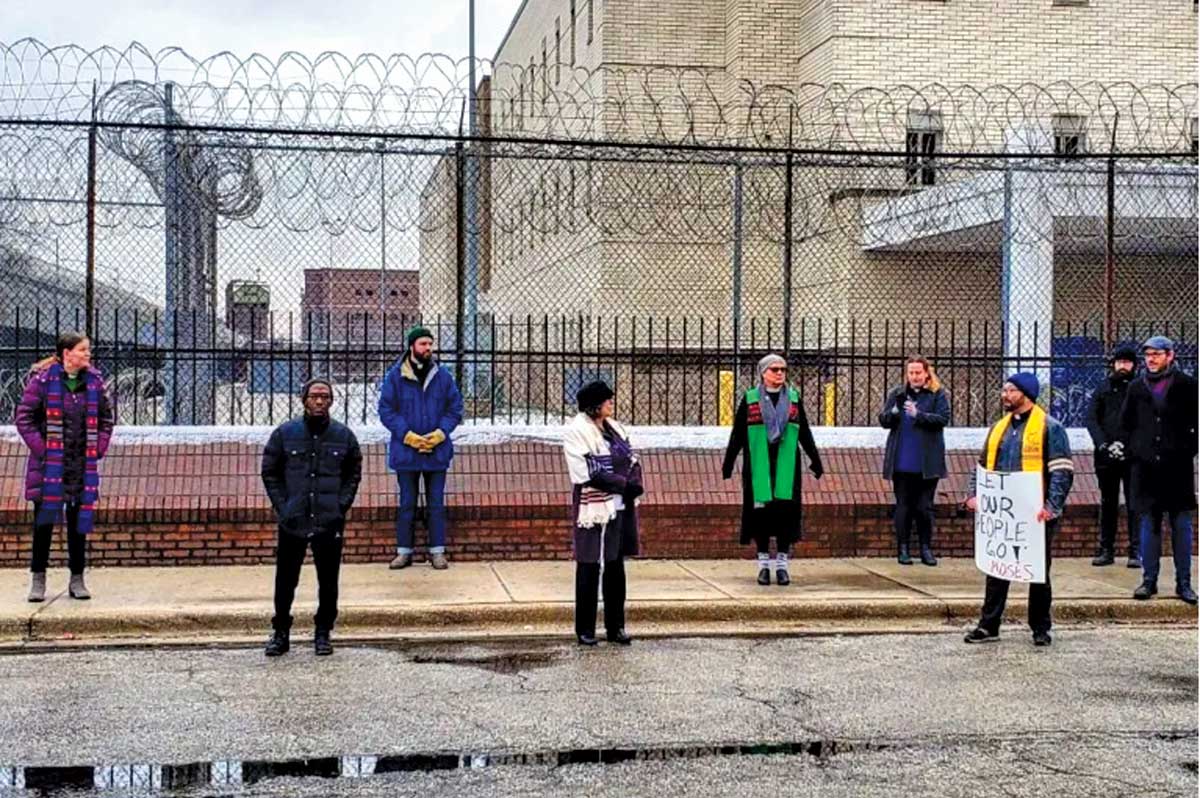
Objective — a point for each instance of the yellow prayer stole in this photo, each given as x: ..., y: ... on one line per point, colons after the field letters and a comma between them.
x: 1033, y: 442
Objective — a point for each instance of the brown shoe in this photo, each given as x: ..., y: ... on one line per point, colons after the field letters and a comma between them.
x: 438, y: 561
x: 400, y: 561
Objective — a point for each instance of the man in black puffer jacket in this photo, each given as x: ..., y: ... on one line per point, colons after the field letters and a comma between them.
x: 1112, y: 464
x: 311, y: 469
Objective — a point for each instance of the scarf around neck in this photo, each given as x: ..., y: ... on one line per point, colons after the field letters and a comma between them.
x: 52, y: 480
x: 775, y: 416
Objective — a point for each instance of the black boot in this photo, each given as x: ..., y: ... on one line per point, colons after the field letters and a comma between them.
x: 927, y: 557
x: 764, y: 576
x: 322, y: 645
x: 279, y: 644
x: 1103, y: 557
x: 903, y: 557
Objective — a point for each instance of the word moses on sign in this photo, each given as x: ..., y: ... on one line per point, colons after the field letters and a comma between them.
x: 1010, y: 542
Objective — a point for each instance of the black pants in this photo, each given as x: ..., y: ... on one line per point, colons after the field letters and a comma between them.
x: 762, y: 544
x: 587, y: 583
x: 914, y: 504
x: 995, y: 596
x: 42, y: 535
x: 1112, y: 479
x: 327, y: 557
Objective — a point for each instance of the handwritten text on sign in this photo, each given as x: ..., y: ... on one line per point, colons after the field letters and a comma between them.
x: 1010, y: 543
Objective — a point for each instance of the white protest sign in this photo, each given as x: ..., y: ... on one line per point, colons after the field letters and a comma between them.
x: 1010, y: 543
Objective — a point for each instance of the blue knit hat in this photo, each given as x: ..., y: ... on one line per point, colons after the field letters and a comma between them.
x: 1027, y: 383
x: 1159, y: 342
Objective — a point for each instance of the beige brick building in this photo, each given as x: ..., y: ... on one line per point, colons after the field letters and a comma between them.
x: 589, y: 231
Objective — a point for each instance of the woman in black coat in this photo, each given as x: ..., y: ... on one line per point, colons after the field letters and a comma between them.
x: 915, y: 458
x: 769, y: 431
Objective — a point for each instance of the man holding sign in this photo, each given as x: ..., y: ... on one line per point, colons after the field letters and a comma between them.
x: 1026, y: 452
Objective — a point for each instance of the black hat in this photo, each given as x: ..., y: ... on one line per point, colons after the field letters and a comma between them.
x: 1124, y: 352
x: 306, y: 387
x: 593, y: 395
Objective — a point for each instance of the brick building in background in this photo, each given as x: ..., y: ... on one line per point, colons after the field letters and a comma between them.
x: 357, y: 306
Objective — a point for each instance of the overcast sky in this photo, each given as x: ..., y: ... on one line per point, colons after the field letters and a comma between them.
x: 270, y: 27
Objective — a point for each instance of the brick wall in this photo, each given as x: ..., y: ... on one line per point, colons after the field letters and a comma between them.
x: 198, y: 505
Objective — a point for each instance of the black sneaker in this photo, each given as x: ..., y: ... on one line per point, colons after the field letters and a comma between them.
x: 903, y: 557
x: 620, y: 637
x: 586, y: 640
x: 1145, y: 591
x: 322, y: 645
x: 927, y: 557
x: 1103, y: 557
x: 781, y: 577
x: 1041, y: 639
x: 980, y: 635
x: 1134, y: 561
x: 279, y: 644
x: 1186, y: 594
x: 764, y: 576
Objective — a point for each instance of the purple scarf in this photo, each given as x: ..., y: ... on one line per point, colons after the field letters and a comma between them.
x: 1159, y: 383
x: 52, y: 479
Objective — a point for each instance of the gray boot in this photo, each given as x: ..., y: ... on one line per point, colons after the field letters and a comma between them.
x: 77, y: 588
x: 37, y: 587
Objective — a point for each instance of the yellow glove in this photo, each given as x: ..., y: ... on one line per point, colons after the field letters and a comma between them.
x: 414, y: 440
x: 435, y: 437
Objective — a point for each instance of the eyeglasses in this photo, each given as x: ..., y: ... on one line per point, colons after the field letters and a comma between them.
x: 777, y: 368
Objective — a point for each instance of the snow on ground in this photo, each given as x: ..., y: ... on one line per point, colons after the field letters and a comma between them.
x: 482, y: 433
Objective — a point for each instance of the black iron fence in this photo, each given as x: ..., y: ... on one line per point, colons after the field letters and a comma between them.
x: 526, y: 370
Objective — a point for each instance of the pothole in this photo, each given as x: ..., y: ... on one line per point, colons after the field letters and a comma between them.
x: 507, y: 663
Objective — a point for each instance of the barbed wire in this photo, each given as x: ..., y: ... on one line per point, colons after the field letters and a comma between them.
x: 424, y: 94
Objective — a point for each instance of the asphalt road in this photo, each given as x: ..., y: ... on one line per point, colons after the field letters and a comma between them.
x: 1104, y: 711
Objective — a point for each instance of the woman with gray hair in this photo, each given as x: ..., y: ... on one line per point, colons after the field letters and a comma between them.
x: 769, y: 431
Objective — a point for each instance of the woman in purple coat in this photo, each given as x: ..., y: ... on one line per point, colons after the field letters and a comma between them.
x: 66, y: 419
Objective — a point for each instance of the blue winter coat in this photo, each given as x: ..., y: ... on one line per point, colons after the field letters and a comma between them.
x: 407, y: 406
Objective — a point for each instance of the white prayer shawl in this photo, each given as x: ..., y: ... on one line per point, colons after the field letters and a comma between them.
x: 581, y: 440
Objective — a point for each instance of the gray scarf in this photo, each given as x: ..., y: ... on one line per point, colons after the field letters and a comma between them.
x: 775, y: 416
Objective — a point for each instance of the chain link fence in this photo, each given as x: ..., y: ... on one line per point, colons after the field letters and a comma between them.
x: 227, y: 235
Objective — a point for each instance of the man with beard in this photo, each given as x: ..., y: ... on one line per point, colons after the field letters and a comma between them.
x: 1112, y: 466
x: 1158, y: 420
x: 1025, y: 439
x: 420, y: 405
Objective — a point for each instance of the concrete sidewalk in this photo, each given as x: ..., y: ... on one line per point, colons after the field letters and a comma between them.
x: 517, y: 599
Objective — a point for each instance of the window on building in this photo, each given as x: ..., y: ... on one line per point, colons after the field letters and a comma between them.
x: 1070, y: 134
x: 531, y: 75
x: 557, y: 50
x: 571, y: 32
x: 589, y: 2
x: 545, y: 75
x: 923, y: 140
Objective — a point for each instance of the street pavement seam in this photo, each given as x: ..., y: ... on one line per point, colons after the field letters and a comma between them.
x: 708, y: 582
x: 507, y: 591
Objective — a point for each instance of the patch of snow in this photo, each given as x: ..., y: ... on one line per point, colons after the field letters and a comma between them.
x: 477, y: 434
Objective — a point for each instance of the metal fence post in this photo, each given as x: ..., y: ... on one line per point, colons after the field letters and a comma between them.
x: 460, y: 260
x: 89, y: 290
x: 1110, y: 255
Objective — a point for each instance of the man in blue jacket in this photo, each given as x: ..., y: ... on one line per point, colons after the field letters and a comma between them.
x: 420, y: 405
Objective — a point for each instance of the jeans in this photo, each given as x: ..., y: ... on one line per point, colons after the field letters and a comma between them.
x: 435, y: 508
x: 1181, y: 547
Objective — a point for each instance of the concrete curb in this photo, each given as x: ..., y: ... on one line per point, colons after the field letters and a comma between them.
x: 728, y: 616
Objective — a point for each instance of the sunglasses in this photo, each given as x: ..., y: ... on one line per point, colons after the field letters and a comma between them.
x: 777, y: 368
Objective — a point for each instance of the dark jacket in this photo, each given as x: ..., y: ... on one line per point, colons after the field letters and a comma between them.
x: 1058, y: 472
x: 406, y: 405
x: 1162, y: 444
x: 30, y: 419
x: 311, y: 476
x: 933, y: 414
x: 779, y: 518
x: 1104, y: 417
